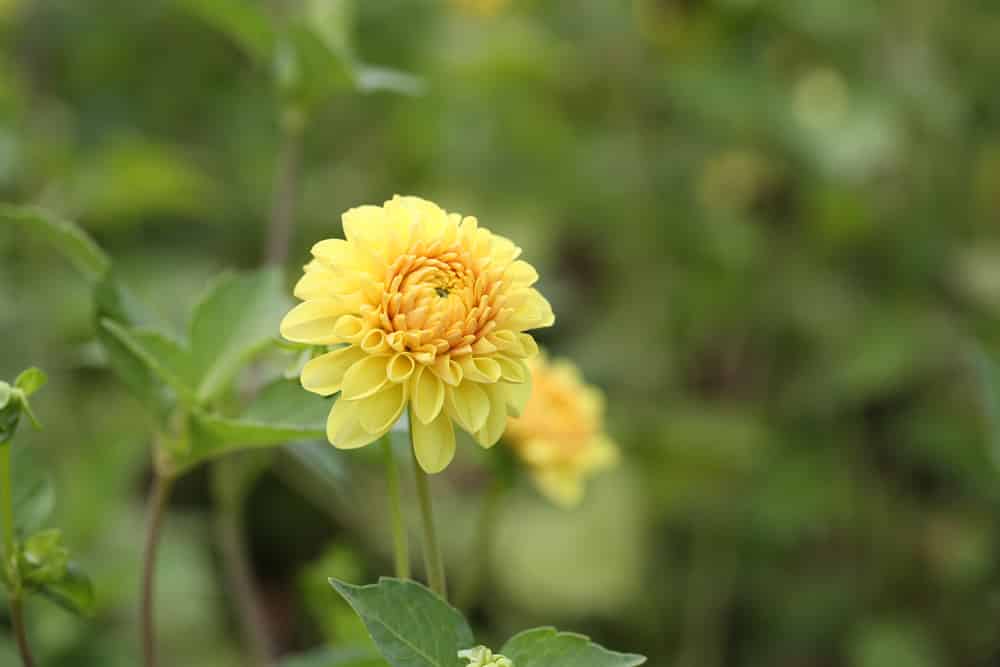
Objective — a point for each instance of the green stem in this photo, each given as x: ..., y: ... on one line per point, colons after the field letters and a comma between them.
x: 158, y: 497
x: 9, y: 552
x: 433, y: 562
x: 401, y: 547
x: 485, y: 533
x: 286, y: 188
x: 228, y: 511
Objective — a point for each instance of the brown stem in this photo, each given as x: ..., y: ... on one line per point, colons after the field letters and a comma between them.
x: 17, y: 621
x: 158, y: 497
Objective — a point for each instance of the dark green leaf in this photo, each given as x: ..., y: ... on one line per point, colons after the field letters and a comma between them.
x: 546, y: 647
x: 236, y: 319
x: 65, y: 236
x: 411, y: 626
x: 30, y: 380
x: 73, y: 592
x: 243, y: 21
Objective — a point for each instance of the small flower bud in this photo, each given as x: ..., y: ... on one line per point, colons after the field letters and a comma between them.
x: 481, y: 656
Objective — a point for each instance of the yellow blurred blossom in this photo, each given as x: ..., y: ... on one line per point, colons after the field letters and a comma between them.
x: 560, y: 435
x: 483, y: 657
x: 427, y: 309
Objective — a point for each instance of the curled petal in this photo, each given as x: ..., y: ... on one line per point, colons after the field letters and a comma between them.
x: 521, y: 274
x: 480, y: 369
x: 433, y: 443
x: 381, y: 410
x: 364, y: 378
x: 449, y: 370
x: 313, y: 322
x: 469, y: 405
x: 512, y: 370
x: 428, y: 395
x: 496, y: 421
x: 343, y: 427
x: 401, y: 367
x: 324, y: 374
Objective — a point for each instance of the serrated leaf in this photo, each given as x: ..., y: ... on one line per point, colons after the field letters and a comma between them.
x: 63, y: 235
x: 342, y: 657
x: 282, y: 412
x: 242, y: 21
x: 411, y: 626
x: 165, y: 357
x: 74, y: 592
x: 31, y: 380
x: 547, y: 647
x: 235, y: 320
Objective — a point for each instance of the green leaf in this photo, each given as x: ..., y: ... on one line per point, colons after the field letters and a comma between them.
x: 546, y: 647
x: 282, y: 412
x: 31, y: 491
x: 30, y: 380
x: 43, y: 558
x: 411, y: 626
x: 236, y: 319
x: 307, y: 71
x: 341, y: 657
x: 243, y: 21
x: 74, y: 592
x: 165, y: 357
x: 5, y: 394
x: 65, y: 236
x: 373, y: 79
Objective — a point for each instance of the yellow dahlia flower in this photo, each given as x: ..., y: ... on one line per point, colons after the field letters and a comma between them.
x: 427, y: 309
x: 560, y: 434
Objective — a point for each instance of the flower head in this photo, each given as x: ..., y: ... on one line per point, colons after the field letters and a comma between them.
x: 560, y: 435
x: 427, y: 309
x: 483, y: 657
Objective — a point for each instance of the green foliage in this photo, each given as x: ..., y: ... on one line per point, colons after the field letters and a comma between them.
x: 413, y: 627
x: 546, y: 647
x: 63, y: 235
x: 335, y: 658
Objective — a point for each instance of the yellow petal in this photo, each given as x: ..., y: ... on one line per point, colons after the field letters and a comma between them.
x: 512, y: 370
x: 527, y: 342
x: 382, y: 409
x: 531, y: 310
x: 517, y: 396
x: 480, y: 369
x: 449, y: 370
x: 324, y: 374
x: 521, y: 274
x: 313, y: 322
x: 496, y: 421
x: 335, y: 253
x: 428, y: 395
x: 343, y: 427
x: 469, y: 405
x: 364, y: 378
x: 363, y: 223
x: 433, y: 443
x: 401, y: 367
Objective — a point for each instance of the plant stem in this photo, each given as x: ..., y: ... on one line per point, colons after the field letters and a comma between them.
x: 9, y: 548
x: 485, y: 533
x: 158, y: 497
x: 401, y: 547
x: 433, y: 562
x: 286, y: 188
x: 17, y: 622
x: 228, y: 513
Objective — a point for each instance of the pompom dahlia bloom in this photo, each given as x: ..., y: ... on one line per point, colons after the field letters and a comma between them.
x: 428, y: 310
x: 560, y: 434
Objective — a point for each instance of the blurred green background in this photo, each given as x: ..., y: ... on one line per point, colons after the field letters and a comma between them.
x: 770, y: 230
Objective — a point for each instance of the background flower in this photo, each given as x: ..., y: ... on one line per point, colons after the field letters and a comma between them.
x: 560, y: 434
x: 433, y: 310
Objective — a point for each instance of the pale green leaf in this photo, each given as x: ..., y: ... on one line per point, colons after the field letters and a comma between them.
x: 31, y: 380
x: 339, y: 657
x: 164, y: 356
x: 237, y: 318
x: 546, y: 647
x: 73, y: 592
x: 243, y: 21
x: 63, y: 235
x: 411, y: 626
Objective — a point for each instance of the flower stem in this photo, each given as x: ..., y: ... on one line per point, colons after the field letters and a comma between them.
x: 9, y: 547
x: 228, y: 515
x: 286, y: 187
x: 485, y: 534
x: 158, y: 497
x: 17, y: 622
x: 400, y: 543
x: 432, y: 550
